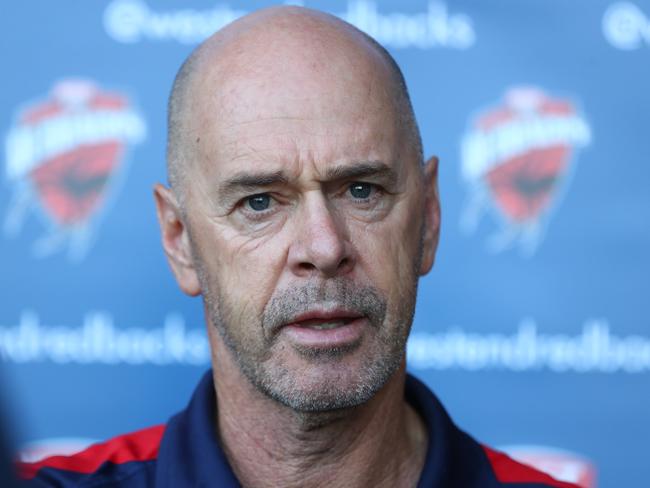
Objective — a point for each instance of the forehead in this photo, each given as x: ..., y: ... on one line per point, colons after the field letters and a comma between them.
x: 297, y: 111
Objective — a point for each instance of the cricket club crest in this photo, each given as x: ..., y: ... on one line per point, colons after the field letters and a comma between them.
x: 64, y: 158
x: 516, y: 161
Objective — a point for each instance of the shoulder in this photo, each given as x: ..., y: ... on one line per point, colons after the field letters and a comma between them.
x: 127, y: 460
x: 508, y: 471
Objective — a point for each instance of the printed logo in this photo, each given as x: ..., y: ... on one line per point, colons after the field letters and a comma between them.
x: 64, y: 158
x: 58, y: 446
x: 626, y: 27
x: 131, y: 21
x: 562, y: 465
x: 516, y: 160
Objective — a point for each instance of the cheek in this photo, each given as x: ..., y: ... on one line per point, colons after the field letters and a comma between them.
x: 242, y: 270
x: 388, y: 252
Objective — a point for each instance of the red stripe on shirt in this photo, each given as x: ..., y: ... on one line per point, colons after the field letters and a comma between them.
x: 141, y: 445
x: 507, y: 470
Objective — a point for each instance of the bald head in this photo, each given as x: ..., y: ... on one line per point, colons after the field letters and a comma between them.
x: 280, y: 52
x: 296, y: 161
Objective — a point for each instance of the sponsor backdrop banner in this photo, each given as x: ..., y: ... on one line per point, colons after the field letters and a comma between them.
x: 532, y: 326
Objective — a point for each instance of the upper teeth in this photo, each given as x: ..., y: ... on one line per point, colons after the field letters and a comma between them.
x: 326, y: 325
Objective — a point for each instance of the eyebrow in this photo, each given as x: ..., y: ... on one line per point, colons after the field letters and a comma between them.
x: 247, y: 182
x: 361, y: 169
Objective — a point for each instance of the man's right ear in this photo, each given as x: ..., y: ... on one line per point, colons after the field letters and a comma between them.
x: 176, y: 240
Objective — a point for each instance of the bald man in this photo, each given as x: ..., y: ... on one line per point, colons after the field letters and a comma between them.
x: 301, y: 210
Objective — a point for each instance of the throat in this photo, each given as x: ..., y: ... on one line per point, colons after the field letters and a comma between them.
x: 268, y: 444
x: 341, y: 448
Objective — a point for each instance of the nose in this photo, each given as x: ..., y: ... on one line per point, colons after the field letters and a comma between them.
x: 320, y: 246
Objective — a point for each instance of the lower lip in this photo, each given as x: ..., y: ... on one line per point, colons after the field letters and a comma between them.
x: 326, y: 338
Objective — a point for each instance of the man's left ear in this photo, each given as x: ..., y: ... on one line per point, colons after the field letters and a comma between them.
x: 431, y: 215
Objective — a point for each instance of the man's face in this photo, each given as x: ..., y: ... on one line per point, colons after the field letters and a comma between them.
x: 305, y: 211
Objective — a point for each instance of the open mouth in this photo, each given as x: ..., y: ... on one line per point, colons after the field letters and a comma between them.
x: 318, y: 329
x: 324, y: 324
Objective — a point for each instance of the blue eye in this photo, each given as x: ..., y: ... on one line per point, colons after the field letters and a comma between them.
x: 259, y: 202
x: 360, y: 191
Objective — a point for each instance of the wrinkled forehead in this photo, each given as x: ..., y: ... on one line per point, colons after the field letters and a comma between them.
x: 287, y: 91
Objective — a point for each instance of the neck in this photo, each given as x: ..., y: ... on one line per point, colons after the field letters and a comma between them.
x: 380, y: 443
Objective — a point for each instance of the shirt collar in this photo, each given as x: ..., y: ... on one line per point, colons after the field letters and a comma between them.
x: 190, y: 455
x: 453, y: 459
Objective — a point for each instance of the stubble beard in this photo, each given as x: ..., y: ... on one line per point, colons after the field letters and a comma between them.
x: 255, y: 357
x: 295, y: 389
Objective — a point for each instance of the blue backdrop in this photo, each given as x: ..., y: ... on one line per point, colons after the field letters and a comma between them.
x: 531, y: 326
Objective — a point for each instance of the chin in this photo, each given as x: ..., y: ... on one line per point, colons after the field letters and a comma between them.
x: 325, y: 380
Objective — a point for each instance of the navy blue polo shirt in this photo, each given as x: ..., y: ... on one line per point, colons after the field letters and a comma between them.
x: 185, y: 453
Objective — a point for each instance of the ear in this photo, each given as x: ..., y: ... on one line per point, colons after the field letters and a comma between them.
x: 431, y: 215
x: 176, y: 240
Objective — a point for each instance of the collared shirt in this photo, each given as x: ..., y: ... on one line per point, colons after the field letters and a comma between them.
x: 185, y: 453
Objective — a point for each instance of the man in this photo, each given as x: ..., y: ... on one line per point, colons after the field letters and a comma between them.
x: 301, y: 210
